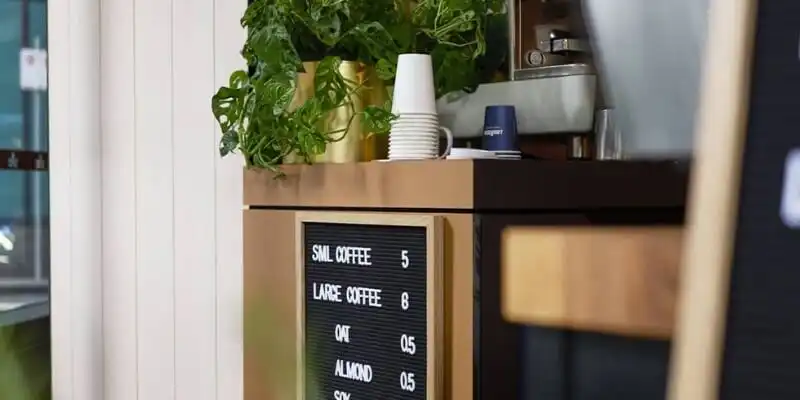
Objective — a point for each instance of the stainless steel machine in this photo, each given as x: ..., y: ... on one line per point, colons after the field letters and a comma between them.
x: 646, y: 55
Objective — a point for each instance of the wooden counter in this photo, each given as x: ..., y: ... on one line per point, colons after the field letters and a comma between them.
x: 477, y: 201
x: 617, y: 280
x: 467, y: 185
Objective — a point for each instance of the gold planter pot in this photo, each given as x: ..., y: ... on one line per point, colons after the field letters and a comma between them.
x: 351, y: 144
x: 375, y: 93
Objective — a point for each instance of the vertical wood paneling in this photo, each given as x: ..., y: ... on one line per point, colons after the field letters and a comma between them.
x: 60, y: 217
x: 119, y: 199
x: 86, y: 202
x: 194, y: 163
x: 228, y: 39
x: 155, y: 205
x: 77, y: 201
x: 146, y: 219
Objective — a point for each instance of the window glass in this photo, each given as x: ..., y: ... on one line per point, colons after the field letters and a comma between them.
x: 24, y: 188
x: 25, y: 372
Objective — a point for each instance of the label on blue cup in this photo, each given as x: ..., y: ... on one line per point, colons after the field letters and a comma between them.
x: 493, y: 132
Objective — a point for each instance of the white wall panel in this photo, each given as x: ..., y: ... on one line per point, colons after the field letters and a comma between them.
x: 228, y: 40
x: 119, y: 200
x: 155, y: 204
x: 147, y: 230
x: 195, y: 200
x: 76, y: 275
x: 60, y: 217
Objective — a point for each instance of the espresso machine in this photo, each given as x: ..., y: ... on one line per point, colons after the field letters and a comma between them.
x: 548, y: 42
x: 550, y: 47
x: 646, y: 56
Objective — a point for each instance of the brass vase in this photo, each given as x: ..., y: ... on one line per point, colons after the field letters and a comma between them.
x: 344, y: 123
x: 351, y: 144
x: 303, y: 91
x: 375, y: 93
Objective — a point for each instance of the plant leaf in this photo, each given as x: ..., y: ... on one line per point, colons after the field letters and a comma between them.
x: 272, y: 44
x: 377, y: 119
x: 279, y: 91
x: 385, y: 69
x: 228, y: 143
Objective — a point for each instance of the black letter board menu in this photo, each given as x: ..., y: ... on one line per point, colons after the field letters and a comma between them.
x: 738, y: 332
x: 370, y: 317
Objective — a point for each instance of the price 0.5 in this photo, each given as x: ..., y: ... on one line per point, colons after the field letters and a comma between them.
x: 407, y: 344
x: 407, y: 381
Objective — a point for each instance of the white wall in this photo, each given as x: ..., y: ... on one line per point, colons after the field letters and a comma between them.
x: 147, y: 234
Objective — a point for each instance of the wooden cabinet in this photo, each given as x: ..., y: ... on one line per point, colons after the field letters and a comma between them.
x: 486, y: 356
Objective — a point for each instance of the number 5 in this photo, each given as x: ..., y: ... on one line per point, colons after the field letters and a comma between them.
x: 404, y: 258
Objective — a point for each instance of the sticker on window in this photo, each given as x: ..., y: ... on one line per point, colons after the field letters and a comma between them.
x: 790, y: 200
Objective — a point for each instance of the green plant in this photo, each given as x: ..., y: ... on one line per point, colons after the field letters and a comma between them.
x: 21, y: 378
x: 254, y: 111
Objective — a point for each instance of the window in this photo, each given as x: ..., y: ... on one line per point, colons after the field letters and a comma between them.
x: 24, y: 194
x: 24, y: 201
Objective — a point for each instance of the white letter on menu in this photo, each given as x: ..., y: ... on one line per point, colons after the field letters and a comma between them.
x: 342, y: 333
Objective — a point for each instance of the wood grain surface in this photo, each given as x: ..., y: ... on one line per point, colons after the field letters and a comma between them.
x: 474, y: 185
x: 409, y: 184
x: 618, y: 280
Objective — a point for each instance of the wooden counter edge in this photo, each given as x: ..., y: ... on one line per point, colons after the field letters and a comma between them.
x: 409, y: 184
x: 615, y: 280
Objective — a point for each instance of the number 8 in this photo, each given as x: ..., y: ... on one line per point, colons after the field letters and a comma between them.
x: 404, y: 301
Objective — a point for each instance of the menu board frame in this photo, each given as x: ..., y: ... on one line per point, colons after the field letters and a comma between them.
x: 721, y: 131
x: 435, y: 286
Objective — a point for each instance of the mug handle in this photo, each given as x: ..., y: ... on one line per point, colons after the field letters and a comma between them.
x: 449, y: 135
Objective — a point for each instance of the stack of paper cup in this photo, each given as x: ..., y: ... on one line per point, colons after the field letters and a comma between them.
x: 415, y: 133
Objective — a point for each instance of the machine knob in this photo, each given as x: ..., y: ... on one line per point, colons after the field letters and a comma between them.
x: 535, y: 58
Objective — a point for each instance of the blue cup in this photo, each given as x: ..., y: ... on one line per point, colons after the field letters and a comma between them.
x: 500, y: 129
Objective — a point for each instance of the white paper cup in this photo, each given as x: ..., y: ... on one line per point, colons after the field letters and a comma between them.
x: 422, y: 148
x: 416, y: 117
x: 421, y: 126
x: 413, y: 150
x: 431, y: 144
x: 418, y: 114
x: 424, y: 155
x: 417, y: 125
x: 422, y: 141
x: 414, y: 139
x: 414, y: 123
x: 414, y: 153
x: 413, y: 85
x: 427, y: 145
x: 410, y: 158
x: 415, y: 133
